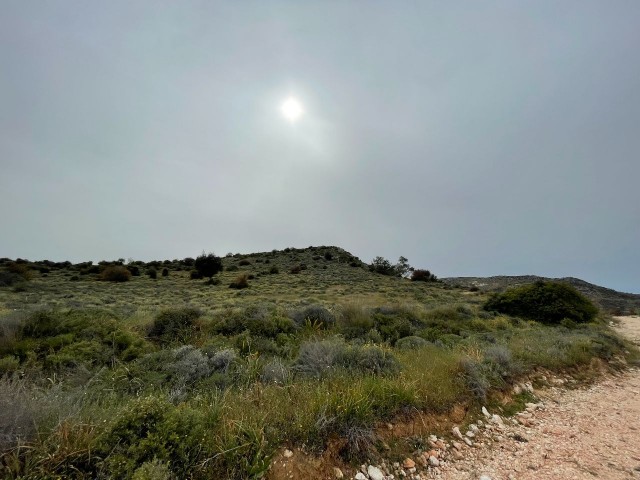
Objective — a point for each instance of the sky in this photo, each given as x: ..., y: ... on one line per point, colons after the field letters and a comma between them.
x: 474, y: 138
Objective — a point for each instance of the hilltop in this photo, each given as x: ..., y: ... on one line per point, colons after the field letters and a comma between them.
x: 609, y: 300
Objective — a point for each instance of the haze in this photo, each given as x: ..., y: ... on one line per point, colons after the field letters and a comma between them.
x: 474, y: 138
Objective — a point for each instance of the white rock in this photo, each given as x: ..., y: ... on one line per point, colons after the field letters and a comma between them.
x: 433, y: 461
x: 468, y: 442
x: 360, y: 476
x: 486, y: 413
x: 484, y: 477
x: 288, y: 453
x: 337, y: 473
x: 473, y: 427
x: 457, y: 433
x: 470, y: 434
x: 433, y: 438
x: 375, y: 473
x: 497, y: 419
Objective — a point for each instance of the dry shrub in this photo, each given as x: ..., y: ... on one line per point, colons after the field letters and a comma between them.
x: 115, y: 273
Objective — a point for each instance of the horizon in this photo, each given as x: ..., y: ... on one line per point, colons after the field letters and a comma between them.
x: 473, y: 139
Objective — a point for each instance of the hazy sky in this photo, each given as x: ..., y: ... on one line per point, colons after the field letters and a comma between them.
x: 472, y: 137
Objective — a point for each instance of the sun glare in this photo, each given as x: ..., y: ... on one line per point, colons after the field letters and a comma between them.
x: 291, y: 109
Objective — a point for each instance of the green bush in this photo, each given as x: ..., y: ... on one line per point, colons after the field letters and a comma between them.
x: 367, y: 359
x: 208, y: 265
x: 153, y: 273
x: 315, y: 315
x: 175, y: 324
x: 151, y: 429
x: 546, y: 302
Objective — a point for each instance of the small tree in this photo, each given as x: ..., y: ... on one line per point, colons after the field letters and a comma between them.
x: 382, y: 265
x: 402, y: 267
x: 208, y: 265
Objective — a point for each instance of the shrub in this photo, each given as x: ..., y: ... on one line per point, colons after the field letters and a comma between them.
x: 223, y: 360
x: 500, y: 359
x: 115, y: 273
x: 208, y: 265
x: 151, y: 429
x: 165, y: 272
x: 275, y: 371
x: 317, y: 358
x: 546, y: 302
x: 354, y: 321
x: 411, y: 343
x: 241, y: 281
x: 21, y: 269
x: 328, y: 255
x: 315, y: 315
x: 152, y: 272
x: 367, y: 359
x: 474, y: 376
x: 7, y: 279
x: 175, y: 324
x: 134, y: 269
x: 243, y: 263
x: 195, y: 275
x: 274, y: 270
x: 232, y: 268
x: 423, y: 276
x: 295, y: 269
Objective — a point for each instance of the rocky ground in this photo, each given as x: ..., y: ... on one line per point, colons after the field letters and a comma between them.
x: 583, y: 433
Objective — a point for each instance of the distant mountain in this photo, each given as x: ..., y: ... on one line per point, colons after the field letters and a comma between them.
x: 607, y: 299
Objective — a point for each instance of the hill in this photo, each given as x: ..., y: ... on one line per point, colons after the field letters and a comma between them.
x: 609, y: 300
x: 145, y: 370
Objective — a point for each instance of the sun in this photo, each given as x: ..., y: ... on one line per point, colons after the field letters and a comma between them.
x: 291, y: 108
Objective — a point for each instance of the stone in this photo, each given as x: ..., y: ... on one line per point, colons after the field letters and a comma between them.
x: 497, y: 419
x: 337, y: 473
x: 408, y: 463
x: 470, y: 434
x: 486, y: 413
x: 457, y: 433
x: 360, y: 476
x: 433, y: 461
x: 484, y: 477
x: 375, y: 473
x: 288, y: 453
x: 457, y: 445
x: 468, y: 441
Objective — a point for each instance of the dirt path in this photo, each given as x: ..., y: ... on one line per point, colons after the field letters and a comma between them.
x: 576, y: 434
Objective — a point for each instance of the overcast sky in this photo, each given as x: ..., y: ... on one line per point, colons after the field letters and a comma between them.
x: 472, y: 137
